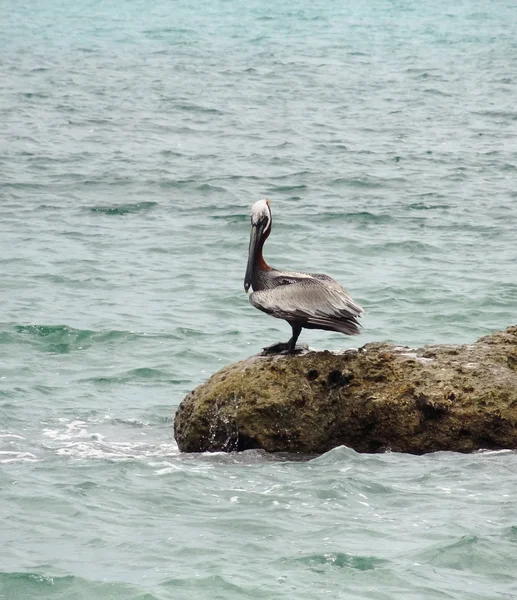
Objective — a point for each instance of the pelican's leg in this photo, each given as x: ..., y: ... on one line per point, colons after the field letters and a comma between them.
x: 286, y: 347
x: 297, y: 329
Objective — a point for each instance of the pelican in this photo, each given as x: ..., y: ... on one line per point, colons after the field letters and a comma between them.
x: 304, y: 300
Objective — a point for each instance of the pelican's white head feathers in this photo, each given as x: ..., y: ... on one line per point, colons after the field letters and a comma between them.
x: 260, y: 211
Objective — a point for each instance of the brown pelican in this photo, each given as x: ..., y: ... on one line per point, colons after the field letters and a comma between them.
x: 309, y: 300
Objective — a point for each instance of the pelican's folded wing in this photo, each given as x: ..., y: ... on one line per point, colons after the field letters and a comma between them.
x: 322, y: 304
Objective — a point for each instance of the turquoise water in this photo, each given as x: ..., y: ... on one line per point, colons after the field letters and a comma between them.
x: 133, y: 140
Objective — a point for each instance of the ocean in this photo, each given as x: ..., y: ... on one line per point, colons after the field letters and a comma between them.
x: 134, y: 137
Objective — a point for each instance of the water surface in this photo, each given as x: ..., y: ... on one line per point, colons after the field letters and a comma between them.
x: 133, y: 140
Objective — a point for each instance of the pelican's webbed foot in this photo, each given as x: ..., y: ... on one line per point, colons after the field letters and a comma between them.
x: 284, y: 348
x: 279, y: 348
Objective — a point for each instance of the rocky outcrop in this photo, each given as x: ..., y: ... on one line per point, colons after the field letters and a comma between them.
x: 377, y: 398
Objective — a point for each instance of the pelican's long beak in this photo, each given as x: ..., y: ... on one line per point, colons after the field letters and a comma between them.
x: 255, y: 236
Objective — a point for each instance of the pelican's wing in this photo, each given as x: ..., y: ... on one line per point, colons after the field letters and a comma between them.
x: 312, y: 302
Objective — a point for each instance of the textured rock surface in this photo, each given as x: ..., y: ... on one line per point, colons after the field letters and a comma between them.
x: 380, y: 397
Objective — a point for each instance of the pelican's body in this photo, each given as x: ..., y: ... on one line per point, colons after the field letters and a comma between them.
x: 304, y: 300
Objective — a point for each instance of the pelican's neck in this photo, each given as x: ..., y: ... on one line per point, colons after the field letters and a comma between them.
x: 260, y: 263
x: 261, y: 270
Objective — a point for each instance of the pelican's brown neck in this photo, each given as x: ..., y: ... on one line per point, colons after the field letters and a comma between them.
x: 259, y: 261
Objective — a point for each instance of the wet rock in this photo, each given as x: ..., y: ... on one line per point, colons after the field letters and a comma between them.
x: 377, y: 398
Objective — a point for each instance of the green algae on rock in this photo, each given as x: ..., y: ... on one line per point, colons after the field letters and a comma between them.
x: 377, y: 398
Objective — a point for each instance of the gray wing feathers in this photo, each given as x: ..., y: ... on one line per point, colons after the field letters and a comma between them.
x: 314, y: 303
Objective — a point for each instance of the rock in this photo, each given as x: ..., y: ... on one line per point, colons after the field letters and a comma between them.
x: 377, y: 398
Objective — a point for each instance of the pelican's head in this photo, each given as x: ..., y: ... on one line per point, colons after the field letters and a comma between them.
x: 260, y: 229
x: 261, y: 214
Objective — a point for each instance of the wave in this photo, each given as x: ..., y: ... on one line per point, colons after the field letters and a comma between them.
x: 208, y: 187
x: 88, y: 439
x: 341, y: 560
x: 37, y: 95
x: 118, y: 451
x: 235, y: 218
x: 137, y: 375
x: 362, y: 217
x: 424, y: 206
x: 8, y: 456
x: 345, y: 455
x: 288, y: 188
x: 471, y: 553
x: 410, y: 247
x: 196, y: 108
x: 39, y: 585
x: 498, y: 114
x: 62, y: 339
x: 123, y: 209
x: 364, y: 181
x: 212, y: 586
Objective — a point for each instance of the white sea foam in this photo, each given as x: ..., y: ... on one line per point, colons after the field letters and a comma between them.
x: 12, y: 436
x: 79, y: 439
x: 11, y: 451
x: 11, y: 457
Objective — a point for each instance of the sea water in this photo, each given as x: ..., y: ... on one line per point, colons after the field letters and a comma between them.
x: 134, y: 137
